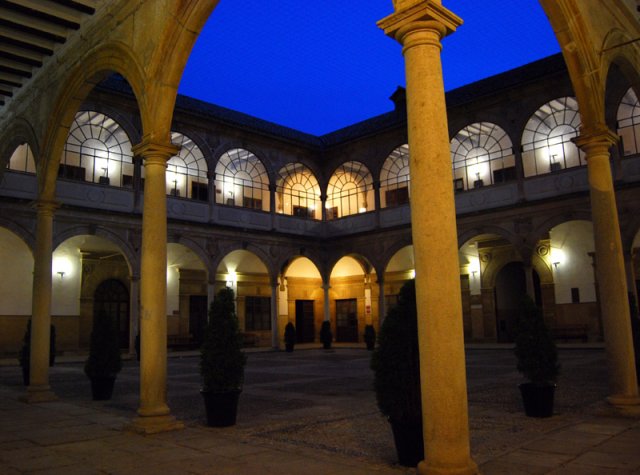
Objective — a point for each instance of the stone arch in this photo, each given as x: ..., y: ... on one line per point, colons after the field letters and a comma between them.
x: 196, y: 248
x: 255, y: 249
x: 23, y: 233
x: 543, y: 228
x: 95, y: 66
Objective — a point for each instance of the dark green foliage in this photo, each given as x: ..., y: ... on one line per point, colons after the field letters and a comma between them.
x: 25, y: 352
x: 326, y: 335
x: 396, y: 362
x: 290, y: 334
x: 535, y: 349
x: 221, y: 358
x: 104, y: 352
x: 370, y: 336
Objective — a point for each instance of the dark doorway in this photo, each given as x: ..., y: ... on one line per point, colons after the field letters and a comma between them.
x: 305, y: 327
x: 111, y: 300
x: 510, y: 287
x: 347, y: 320
x: 197, y: 317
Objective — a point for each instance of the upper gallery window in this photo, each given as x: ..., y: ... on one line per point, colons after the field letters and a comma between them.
x: 241, y: 180
x: 546, y: 141
x: 350, y: 191
x: 482, y: 154
x: 298, y: 192
x: 187, y: 171
x: 394, y: 178
x: 629, y: 123
x: 98, y: 150
x: 22, y: 159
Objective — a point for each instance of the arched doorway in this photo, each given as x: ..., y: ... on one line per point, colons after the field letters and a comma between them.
x: 111, y: 300
x: 510, y: 288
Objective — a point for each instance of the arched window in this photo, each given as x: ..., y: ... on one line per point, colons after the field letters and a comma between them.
x: 97, y: 150
x: 629, y: 123
x: 482, y: 154
x: 546, y: 141
x: 350, y: 191
x: 22, y: 159
x: 298, y: 192
x: 394, y: 178
x: 241, y: 180
x: 187, y: 171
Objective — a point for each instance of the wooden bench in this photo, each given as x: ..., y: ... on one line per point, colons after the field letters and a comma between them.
x: 576, y: 331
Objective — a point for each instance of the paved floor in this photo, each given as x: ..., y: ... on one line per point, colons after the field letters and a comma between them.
x: 311, y: 412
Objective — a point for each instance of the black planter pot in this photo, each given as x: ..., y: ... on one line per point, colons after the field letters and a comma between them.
x: 370, y: 345
x: 326, y: 345
x: 25, y: 374
x: 537, y: 399
x: 102, y: 388
x: 221, y: 407
x: 288, y: 347
x: 407, y: 436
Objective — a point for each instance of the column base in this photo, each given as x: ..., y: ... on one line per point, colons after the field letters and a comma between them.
x: 147, y: 425
x: 38, y: 394
x: 425, y: 469
x: 625, y: 405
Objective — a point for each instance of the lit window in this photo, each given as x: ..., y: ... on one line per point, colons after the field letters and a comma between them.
x: 350, y: 191
x: 298, y: 192
x: 187, y: 171
x: 394, y: 178
x: 22, y: 159
x: 629, y: 123
x: 98, y: 150
x: 546, y: 141
x: 241, y: 180
x: 482, y: 154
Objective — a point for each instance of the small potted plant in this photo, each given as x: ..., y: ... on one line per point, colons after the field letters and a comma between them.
x: 326, y: 335
x: 289, y: 337
x: 25, y: 351
x: 537, y: 360
x: 104, y: 362
x: 370, y: 337
x: 222, y: 361
x: 396, y: 366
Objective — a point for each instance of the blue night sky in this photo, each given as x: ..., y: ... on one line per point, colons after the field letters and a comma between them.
x: 318, y: 66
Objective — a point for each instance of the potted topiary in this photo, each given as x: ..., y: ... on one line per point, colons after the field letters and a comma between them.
x: 370, y: 337
x: 25, y: 352
x: 104, y: 362
x: 222, y: 361
x: 326, y: 336
x: 537, y: 360
x: 396, y: 366
x: 289, y: 337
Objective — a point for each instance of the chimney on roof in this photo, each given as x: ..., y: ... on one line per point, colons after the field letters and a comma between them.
x: 399, y: 98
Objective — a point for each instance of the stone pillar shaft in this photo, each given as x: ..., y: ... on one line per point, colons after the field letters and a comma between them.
x: 610, y: 269
x: 326, y: 309
x: 419, y: 29
x: 39, y: 389
x: 153, y: 410
x: 275, y: 342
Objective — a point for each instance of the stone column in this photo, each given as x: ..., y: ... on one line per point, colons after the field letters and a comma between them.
x: 134, y: 312
x: 39, y: 390
x: 327, y: 310
x: 610, y: 271
x: 419, y: 26
x: 275, y: 342
x: 631, y: 278
x: 381, y: 301
x: 153, y: 413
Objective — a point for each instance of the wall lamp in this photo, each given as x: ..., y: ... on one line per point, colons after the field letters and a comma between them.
x: 556, y: 264
x: 61, y: 274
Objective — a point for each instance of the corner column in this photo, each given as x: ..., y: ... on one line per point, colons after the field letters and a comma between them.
x: 610, y: 271
x: 326, y: 309
x: 39, y: 389
x: 419, y: 26
x: 153, y: 413
x: 275, y: 286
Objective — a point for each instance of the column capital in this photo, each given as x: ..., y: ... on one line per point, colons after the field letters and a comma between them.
x: 421, y: 14
x: 47, y: 207
x: 596, y: 139
x: 150, y: 148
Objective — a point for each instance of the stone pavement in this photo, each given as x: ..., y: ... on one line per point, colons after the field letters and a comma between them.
x: 311, y: 412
